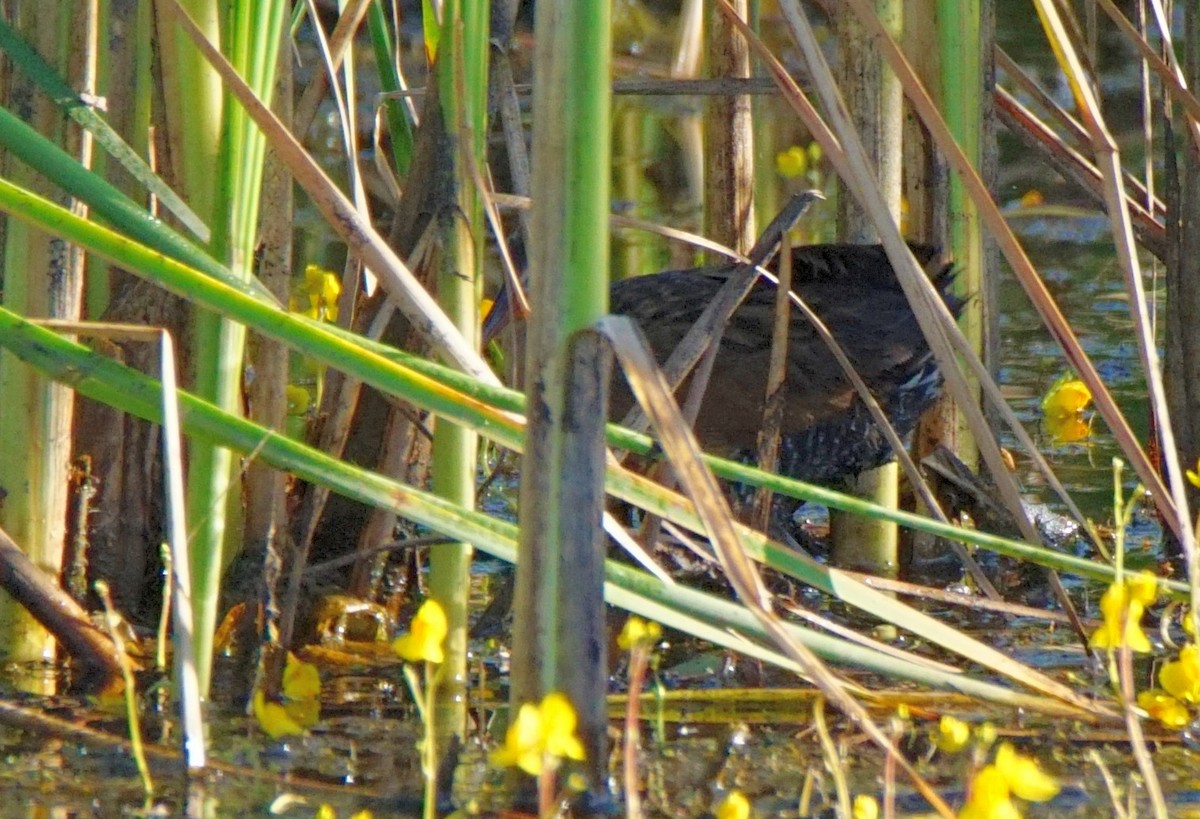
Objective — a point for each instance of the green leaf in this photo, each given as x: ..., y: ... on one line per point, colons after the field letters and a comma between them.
x: 80, y: 110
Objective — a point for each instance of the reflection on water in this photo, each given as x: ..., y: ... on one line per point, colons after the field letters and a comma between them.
x: 1085, y: 282
x: 1069, y: 241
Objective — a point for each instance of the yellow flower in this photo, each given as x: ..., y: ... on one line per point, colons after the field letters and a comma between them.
x: 1193, y: 476
x: 952, y: 734
x: 1023, y: 775
x: 791, y: 163
x: 1067, y: 429
x: 985, y: 735
x: 542, y: 735
x: 320, y: 292
x: 558, y: 723
x: 298, y: 400
x: 1163, y: 707
x: 301, y: 704
x: 1062, y: 410
x: 522, y: 744
x: 637, y: 632
x: 865, y: 807
x: 733, y: 806
x: 305, y: 713
x: 1143, y: 587
x: 1067, y: 396
x: 274, y: 718
x: 326, y: 811
x: 1012, y: 774
x: 989, y: 797
x: 427, y: 632
x: 1181, y: 677
x: 301, y: 680
x: 1132, y: 595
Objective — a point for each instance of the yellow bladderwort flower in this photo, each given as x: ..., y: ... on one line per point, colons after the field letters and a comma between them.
x: 300, y: 707
x: 1133, y: 594
x: 302, y: 691
x: 522, y: 744
x: 1193, y: 475
x: 952, y: 734
x: 301, y: 680
x: 733, y: 806
x: 324, y: 288
x: 1011, y: 774
x: 865, y: 807
x: 298, y: 400
x: 326, y: 811
x: 1068, y: 429
x: 638, y: 632
x: 1067, y: 396
x: 1181, y: 677
x: 1023, y: 775
x: 1143, y: 587
x: 542, y: 735
x: 273, y: 717
x: 1161, y: 706
x: 319, y: 294
x: 1062, y: 410
x: 989, y: 797
x: 427, y: 632
x: 791, y: 163
x: 986, y: 735
x: 1189, y: 624
x: 558, y: 723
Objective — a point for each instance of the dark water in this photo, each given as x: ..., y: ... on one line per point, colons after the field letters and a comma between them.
x: 1069, y: 240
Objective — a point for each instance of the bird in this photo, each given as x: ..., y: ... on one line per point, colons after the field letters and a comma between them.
x: 827, y: 435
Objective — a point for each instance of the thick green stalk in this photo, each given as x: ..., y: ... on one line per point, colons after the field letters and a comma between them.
x: 872, y: 95
x: 462, y: 57
x: 215, y: 133
x: 568, y: 266
x: 963, y: 101
x: 41, y: 277
x: 195, y: 117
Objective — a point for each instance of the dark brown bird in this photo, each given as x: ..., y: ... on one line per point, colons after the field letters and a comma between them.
x: 828, y: 434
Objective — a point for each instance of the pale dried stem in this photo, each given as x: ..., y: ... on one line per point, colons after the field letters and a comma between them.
x: 1023, y: 269
x: 1108, y: 161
